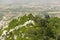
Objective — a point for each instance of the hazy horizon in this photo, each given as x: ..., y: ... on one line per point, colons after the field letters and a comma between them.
x: 32, y: 2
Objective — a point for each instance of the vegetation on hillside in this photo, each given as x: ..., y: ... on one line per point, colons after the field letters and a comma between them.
x: 38, y: 28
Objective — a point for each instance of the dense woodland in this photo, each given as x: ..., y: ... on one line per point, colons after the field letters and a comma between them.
x: 46, y: 28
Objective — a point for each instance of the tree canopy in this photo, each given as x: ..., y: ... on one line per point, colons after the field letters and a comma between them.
x: 47, y: 28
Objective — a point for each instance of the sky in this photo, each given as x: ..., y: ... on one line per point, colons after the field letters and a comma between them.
x: 29, y: 1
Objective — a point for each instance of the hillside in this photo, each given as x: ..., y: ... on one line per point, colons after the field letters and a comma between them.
x: 29, y: 27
